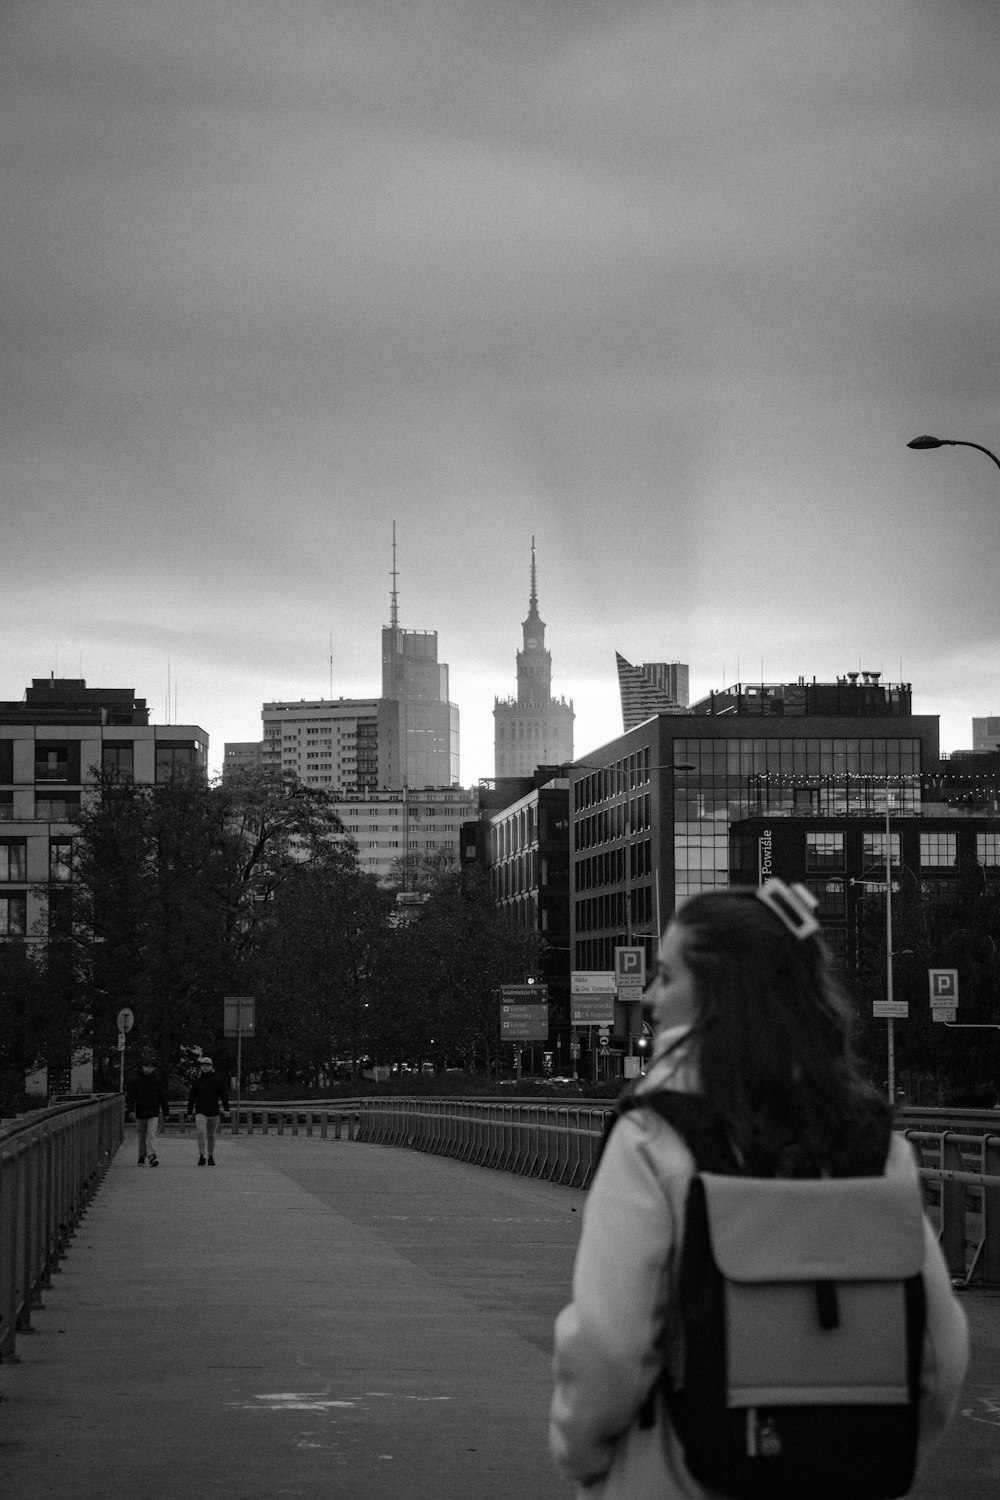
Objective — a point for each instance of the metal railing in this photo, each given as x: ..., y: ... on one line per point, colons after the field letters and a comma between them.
x: 960, y: 1172
x: 52, y: 1162
x: 961, y: 1178
x: 559, y: 1143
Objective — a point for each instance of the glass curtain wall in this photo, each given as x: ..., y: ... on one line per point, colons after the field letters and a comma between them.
x: 726, y: 779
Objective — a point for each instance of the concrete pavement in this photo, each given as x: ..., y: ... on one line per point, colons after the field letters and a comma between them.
x: 320, y: 1318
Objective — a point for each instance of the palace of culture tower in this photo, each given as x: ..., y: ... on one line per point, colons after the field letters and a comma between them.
x: 533, y: 729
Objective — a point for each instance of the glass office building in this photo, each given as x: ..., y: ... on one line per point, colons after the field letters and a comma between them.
x: 686, y: 802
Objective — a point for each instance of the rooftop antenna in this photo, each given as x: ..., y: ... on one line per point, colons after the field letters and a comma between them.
x: 394, y: 596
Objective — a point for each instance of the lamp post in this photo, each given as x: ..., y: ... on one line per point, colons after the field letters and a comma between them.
x: 926, y: 441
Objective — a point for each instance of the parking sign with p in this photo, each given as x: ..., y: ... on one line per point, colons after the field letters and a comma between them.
x: 944, y: 987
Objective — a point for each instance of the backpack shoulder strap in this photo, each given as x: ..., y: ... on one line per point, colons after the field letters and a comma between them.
x: 694, y: 1120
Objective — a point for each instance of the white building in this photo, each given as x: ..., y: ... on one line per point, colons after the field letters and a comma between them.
x: 339, y: 744
x: 388, y: 825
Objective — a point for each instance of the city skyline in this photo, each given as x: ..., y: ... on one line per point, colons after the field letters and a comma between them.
x: 668, y: 288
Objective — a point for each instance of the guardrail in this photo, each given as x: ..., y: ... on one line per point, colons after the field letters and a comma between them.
x: 557, y: 1142
x: 960, y: 1170
x: 961, y: 1177
x: 52, y: 1162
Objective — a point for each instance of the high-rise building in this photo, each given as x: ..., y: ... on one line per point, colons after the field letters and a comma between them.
x: 414, y: 679
x: 340, y: 744
x: 533, y: 729
x: 657, y: 687
x: 409, y: 737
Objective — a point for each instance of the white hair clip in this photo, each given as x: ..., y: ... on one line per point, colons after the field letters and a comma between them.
x: 793, y: 905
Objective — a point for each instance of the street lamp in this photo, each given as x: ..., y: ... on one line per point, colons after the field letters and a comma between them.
x: 926, y: 441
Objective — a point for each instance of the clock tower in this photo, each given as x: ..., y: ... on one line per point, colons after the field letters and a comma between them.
x: 534, y: 728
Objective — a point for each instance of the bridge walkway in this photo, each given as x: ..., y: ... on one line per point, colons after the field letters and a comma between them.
x: 328, y: 1319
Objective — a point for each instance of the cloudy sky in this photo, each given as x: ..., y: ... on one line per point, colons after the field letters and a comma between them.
x: 668, y: 286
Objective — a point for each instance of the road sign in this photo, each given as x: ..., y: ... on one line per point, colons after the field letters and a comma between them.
x: 524, y: 994
x: 891, y: 1010
x: 948, y: 1014
x: 524, y: 1023
x: 239, y: 1018
x: 121, y: 1041
x: 592, y: 1010
x: 126, y: 1019
x: 630, y: 973
x: 943, y: 988
x: 592, y: 982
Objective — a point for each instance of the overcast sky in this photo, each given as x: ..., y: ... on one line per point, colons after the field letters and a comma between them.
x: 668, y: 286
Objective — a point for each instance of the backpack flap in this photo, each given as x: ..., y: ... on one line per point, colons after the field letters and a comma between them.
x: 814, y: 1272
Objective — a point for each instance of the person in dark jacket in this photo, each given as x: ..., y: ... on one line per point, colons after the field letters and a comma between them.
x: 208, y: 1100
x: 146, y: 1098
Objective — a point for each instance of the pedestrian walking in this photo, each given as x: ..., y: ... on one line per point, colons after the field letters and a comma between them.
x: 146, y: 1098
x: 208, y: 1100
x: 752, y: 1036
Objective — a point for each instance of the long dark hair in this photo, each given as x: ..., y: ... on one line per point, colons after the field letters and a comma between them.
x: 773, y: 1043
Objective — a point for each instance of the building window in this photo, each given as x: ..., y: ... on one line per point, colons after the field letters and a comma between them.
x: 988, y: 849
x: 13, y: 860
x: 830, y: 895
x: 173, y: 760
x: 824, y: 851
x: 938, y: 850
x: 52, y: 762
x: 61, y: 859
x: 117, y: 761
x: 873, y: 849
x: 59, y: 809
x: 6, y: 807
x: 13, y: 916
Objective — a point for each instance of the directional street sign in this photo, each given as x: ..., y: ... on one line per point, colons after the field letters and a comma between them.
x: 524, y: 1023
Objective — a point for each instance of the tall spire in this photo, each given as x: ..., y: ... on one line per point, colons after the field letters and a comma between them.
x: 533, y: 600
x: 394, y: 596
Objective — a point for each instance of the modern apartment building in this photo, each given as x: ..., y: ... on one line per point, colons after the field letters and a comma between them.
x: 340, y: 744
x: 534, y: 728
x: 54, y: 744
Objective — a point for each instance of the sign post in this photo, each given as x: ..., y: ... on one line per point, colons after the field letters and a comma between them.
x: 630, y: 979
x: 239, y: 1019
x: 592, y: 1003
x: 126, y: 1020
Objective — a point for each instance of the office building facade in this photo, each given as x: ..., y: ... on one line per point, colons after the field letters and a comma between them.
x: 678, y: 804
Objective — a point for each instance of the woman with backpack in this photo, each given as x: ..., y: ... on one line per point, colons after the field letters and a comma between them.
x: 754, y: 1073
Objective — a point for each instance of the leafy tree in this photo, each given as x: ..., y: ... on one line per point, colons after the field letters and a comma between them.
x: 450, y: 960
x: 170, y: 882
x: 24, y: 1019
x: 317, y: 965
